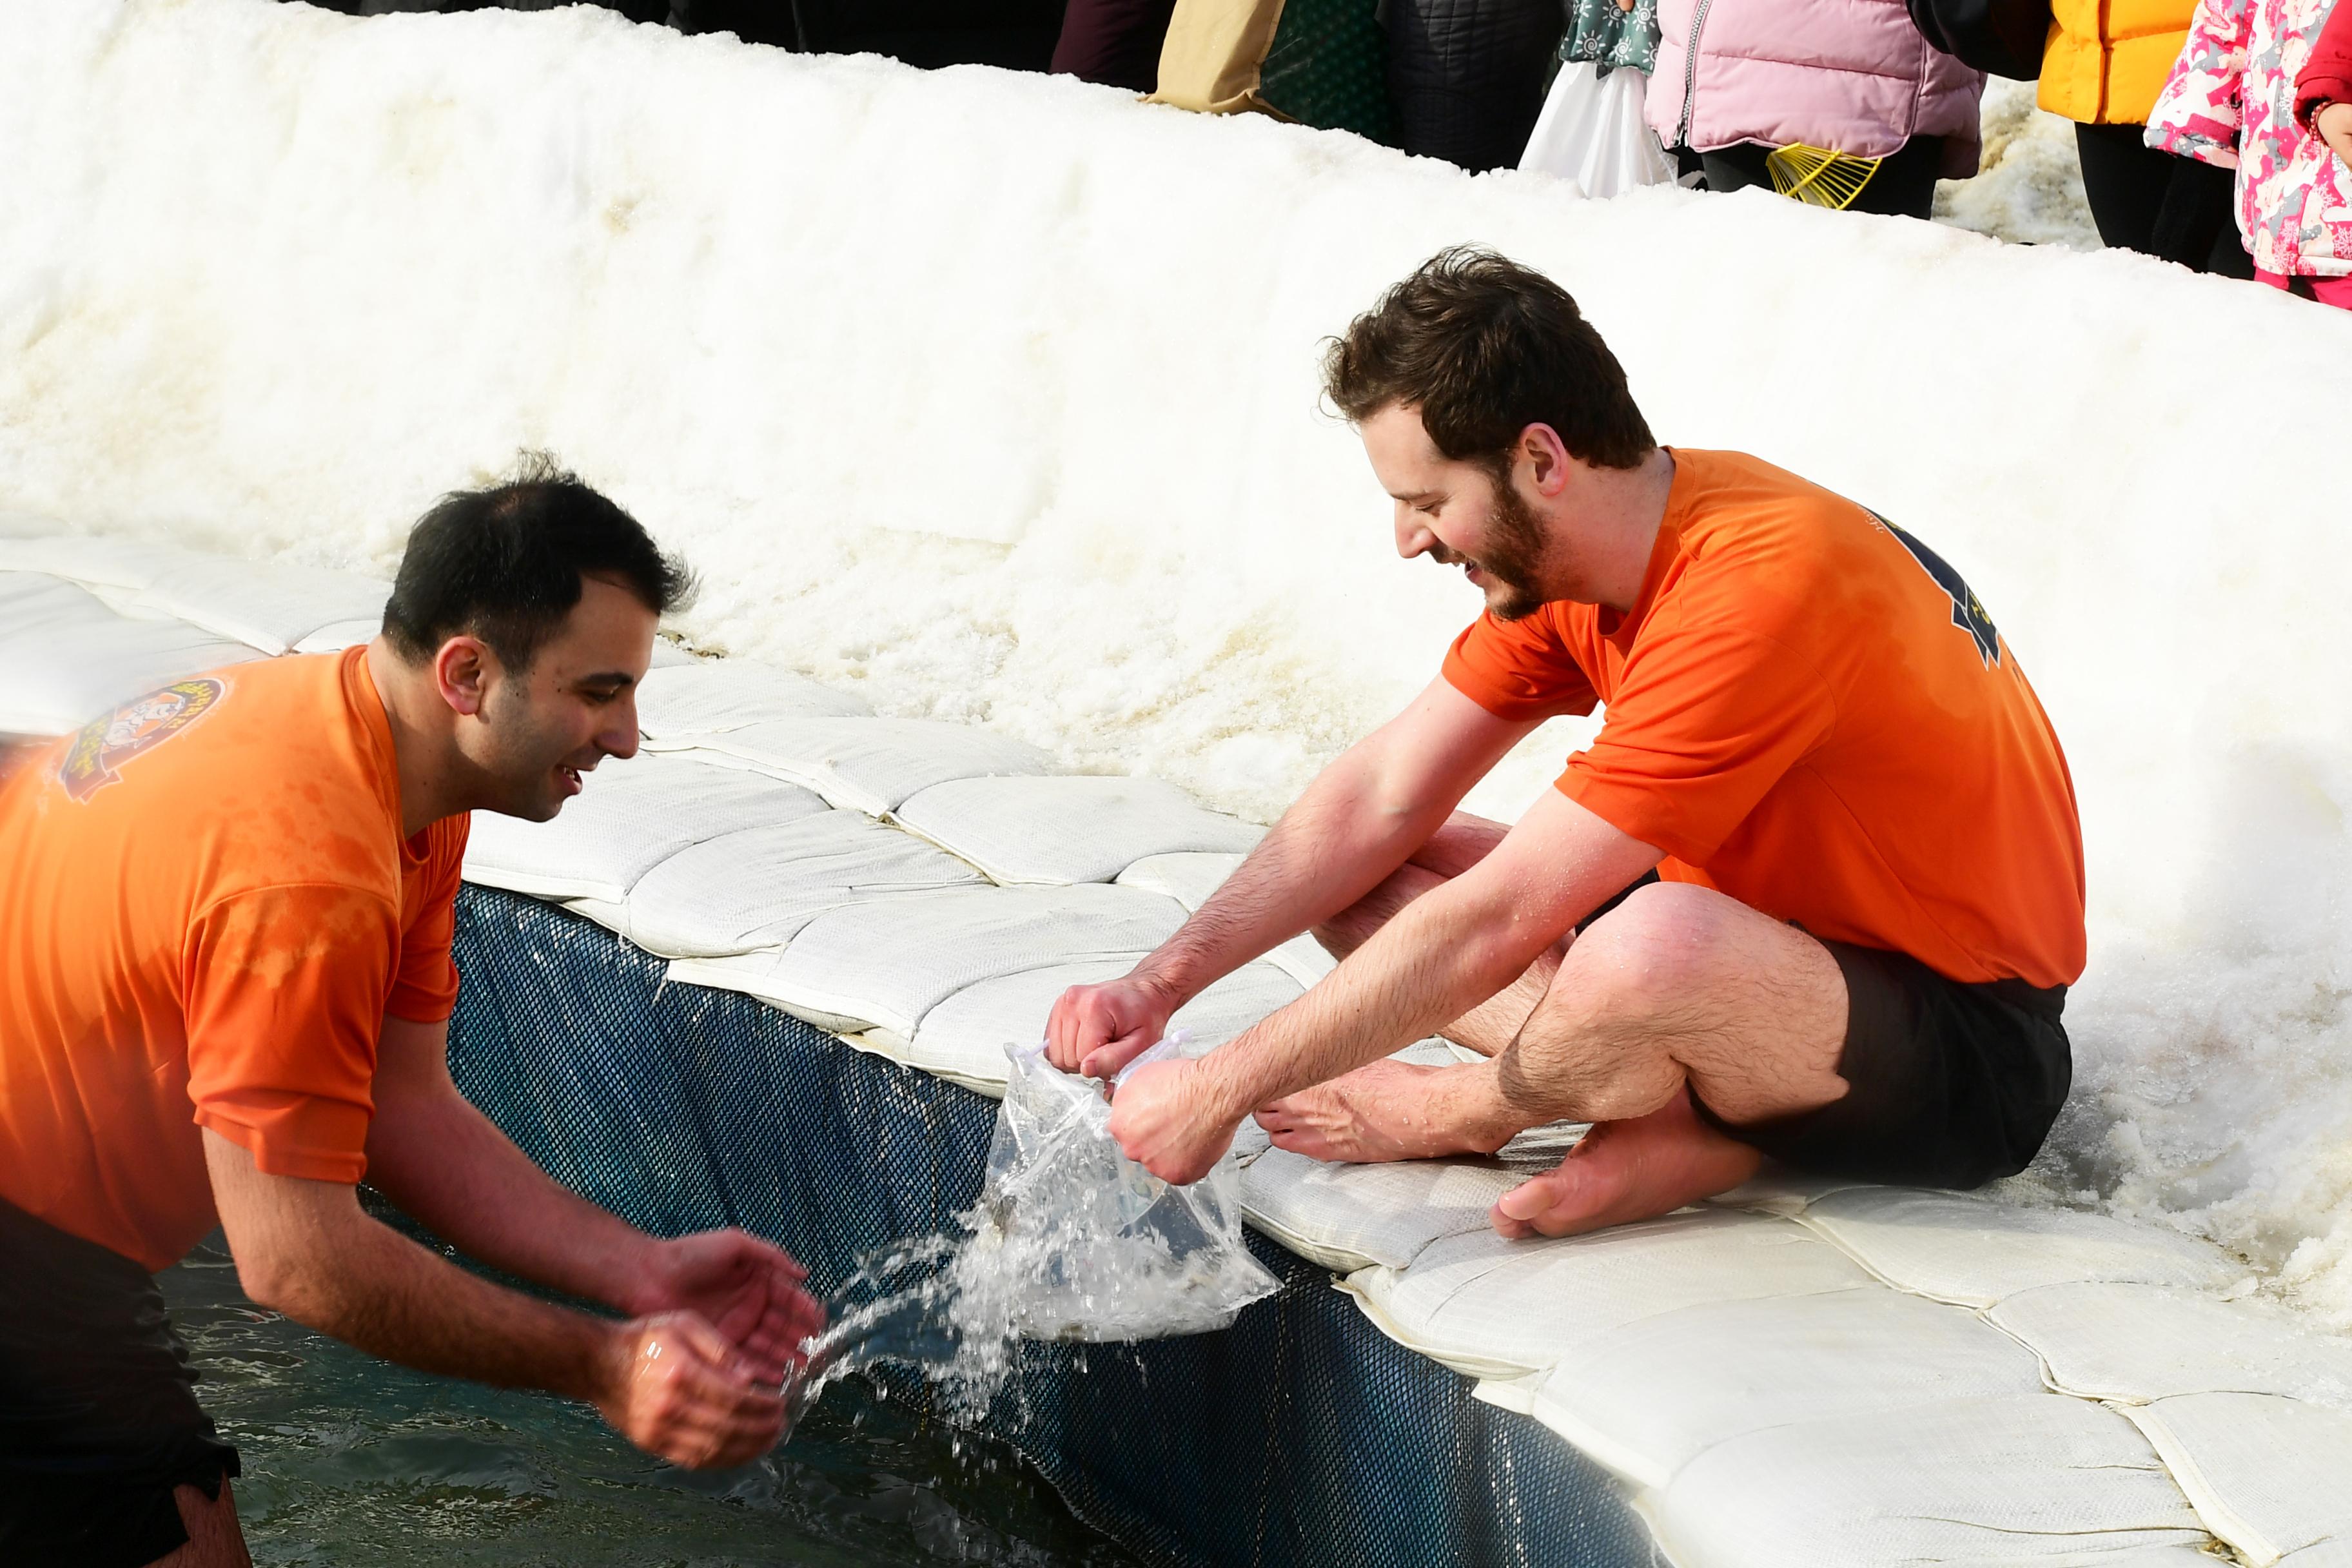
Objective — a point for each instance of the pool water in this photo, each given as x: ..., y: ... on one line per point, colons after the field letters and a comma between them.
x: 349, y: 1459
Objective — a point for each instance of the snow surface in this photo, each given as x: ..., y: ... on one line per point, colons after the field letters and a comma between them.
x: 993, y: 398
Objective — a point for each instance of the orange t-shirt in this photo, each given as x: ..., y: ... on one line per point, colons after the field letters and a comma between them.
x: 206, y: 910
x: 1810, y: 711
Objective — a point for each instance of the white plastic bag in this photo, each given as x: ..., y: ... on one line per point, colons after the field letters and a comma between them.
x: 1591, y: 130
x: 1099, y: 1246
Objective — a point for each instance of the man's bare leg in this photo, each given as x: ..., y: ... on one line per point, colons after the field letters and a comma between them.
x: 215, y: 1538
x: 1489, y: 1027
x: 1680, y: 988
x: 1422, y: 1119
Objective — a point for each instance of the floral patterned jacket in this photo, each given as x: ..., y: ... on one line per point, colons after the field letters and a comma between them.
x: 2230, y: 101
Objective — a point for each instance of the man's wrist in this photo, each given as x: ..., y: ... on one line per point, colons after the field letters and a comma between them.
x: 1164, y: 978
x: 639, y: 1277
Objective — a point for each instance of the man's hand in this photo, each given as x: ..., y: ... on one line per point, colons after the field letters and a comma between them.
x: 676, y: 1388
x: 2334, y: 124
x: 1166, y: 1119
x: 746, y: 1289
x: 1099, y: 1029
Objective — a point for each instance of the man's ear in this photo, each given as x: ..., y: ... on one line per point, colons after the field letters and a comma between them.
x: 1547, y: 457
x: 462, y: 672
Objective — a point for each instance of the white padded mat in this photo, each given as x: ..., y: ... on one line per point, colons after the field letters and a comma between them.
x: 337, y: 635
x: 1189, y: 877
x: 629, y: 817
x: 868, y: 764
x: 709, y: 696
x: 69, y: 658
x: 2030, y: 1478
x: 757, y: 888
x: 886, y: 964
x: 2141, y: 1342
x: 965, y: 1035
x: 1494, y: 1307
x: 270, y: 606
x: 1347, y: 1218
x: 1067, y: 827
x: 2273, y: 1477
x: 1974, y: 1252
x: 1648, y: 1397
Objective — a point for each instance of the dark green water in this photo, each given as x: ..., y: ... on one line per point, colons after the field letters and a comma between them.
x: 349, y: 1459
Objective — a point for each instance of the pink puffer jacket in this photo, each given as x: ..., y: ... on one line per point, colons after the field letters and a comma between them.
x: 1854, y: 74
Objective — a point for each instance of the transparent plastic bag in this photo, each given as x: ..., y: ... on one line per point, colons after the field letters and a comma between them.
x: 1100, y: 1247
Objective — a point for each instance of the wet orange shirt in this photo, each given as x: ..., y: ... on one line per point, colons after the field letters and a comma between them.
x: 1812, y: 712
x: 206, y: 910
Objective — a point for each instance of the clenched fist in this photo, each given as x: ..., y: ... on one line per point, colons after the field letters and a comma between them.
x: 1099, y: 1029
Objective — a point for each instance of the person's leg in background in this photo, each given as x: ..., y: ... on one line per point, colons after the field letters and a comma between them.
x: 1114, y: 42
x: 2197, y: 222
x: 2125, y: 181
x: 1904, y: 185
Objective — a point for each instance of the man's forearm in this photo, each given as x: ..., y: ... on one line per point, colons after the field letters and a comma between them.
x: 1329, y: 850
x: 396, y: 1300
x: 449, y: 1168
x: 1416, y: 974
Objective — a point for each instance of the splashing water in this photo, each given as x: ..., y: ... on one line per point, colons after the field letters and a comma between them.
x: 1071, y: 1240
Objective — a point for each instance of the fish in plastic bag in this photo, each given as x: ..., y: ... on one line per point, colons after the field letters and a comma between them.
x: 1100, y: 1247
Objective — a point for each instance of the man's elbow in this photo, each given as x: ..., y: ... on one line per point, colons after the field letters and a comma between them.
x: 284, y: 1285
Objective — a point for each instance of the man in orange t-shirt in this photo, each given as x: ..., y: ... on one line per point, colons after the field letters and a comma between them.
x: 1815, y: 891
x: 225, y: 981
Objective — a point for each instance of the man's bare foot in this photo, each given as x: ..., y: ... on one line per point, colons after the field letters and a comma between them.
x: 1625, y: 1171
x: 1394, y: 1111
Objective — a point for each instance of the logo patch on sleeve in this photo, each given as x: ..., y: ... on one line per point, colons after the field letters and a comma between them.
x: 101, y: 748
x: 1967, y: 612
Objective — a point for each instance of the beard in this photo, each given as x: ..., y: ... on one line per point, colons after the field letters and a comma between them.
x: 1512, y: 559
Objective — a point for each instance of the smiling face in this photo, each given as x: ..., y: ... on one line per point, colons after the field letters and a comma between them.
x: 533, y: 735
x: 1459, y: 512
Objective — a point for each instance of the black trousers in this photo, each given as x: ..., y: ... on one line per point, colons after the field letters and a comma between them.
x: 1903, y: 186
x: 1114, y: 42
x: 2176, y: 209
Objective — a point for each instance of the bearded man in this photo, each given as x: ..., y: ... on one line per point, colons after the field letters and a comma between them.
x: 1814, y: 893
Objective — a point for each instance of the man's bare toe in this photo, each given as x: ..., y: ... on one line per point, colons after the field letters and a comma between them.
x: 1627, y: 1171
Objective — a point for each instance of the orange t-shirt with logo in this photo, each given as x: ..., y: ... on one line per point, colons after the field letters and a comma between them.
x: 1809, y: 710
x: 206, y: 911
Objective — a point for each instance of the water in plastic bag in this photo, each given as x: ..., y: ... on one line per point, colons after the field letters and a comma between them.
x: 1071, y: 1240
x: 1104, y: 1249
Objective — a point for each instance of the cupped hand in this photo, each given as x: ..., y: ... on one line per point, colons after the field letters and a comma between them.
x: 2334, y: 123
x: 1165, y: 1121
x: 1099, y: 1029
x: 746, y: 1288
x: 678, y: 1389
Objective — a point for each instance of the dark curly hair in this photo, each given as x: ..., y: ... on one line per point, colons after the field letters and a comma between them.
x: 1484, y: 348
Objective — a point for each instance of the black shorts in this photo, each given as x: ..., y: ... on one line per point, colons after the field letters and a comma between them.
x: 99, y: 1419
x: 1948, y: 1084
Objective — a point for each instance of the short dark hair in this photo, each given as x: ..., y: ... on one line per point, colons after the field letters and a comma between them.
x: 505, y: 563
x: 1484, y: 348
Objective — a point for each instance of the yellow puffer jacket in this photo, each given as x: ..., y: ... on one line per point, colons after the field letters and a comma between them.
x: 2108, y: 58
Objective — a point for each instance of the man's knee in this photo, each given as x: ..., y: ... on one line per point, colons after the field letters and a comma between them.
x: 1657, y: 948
x: 1352, y: 927
x: 1461, y: 842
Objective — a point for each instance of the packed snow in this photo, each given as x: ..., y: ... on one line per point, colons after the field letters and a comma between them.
x: 994, y: 398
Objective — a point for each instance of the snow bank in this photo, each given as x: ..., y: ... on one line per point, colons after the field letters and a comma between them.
x: 994, y: 397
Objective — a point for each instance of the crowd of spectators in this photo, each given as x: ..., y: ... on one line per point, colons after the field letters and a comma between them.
x: 2213, y: 133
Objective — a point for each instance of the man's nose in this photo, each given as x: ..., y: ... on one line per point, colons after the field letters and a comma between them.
x: 1413, y: 537
x: 620, y: 736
